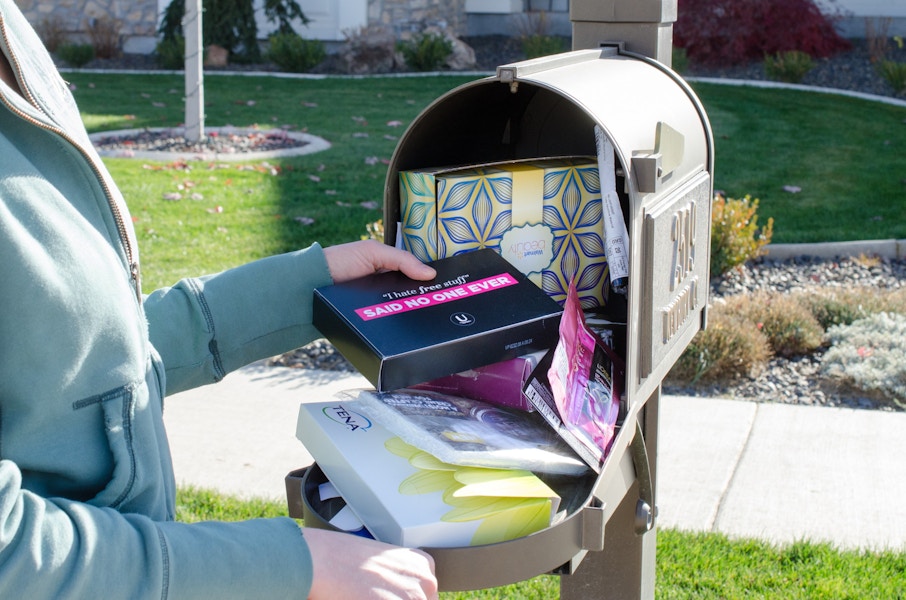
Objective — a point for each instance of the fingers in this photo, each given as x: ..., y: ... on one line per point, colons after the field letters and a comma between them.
x: 408, y: 264
x: 357, y: 259
x: 347, y: 566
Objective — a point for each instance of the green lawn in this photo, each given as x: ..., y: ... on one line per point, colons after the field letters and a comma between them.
x: 690, y: 566
x: 844, y: 154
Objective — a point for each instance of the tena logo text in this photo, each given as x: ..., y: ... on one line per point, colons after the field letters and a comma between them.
x: 353, y: 421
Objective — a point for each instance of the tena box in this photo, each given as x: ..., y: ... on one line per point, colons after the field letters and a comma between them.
x: 543, y: 215
x: 399, y: 332
x: 408, y: 498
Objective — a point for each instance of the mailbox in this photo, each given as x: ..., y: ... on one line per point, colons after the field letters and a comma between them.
x: 663, y: 150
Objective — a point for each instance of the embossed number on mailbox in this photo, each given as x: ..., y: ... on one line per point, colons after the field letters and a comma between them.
x: 675, y: 246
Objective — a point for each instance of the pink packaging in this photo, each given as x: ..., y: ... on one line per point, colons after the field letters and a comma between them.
x: 578, y: 386
x: 500, y: 383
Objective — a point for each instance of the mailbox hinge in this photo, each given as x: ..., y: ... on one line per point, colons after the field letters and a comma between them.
x: 646, y: 509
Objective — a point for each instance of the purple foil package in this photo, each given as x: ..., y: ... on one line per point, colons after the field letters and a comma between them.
x: 577, y: 387
x: 500, y: 383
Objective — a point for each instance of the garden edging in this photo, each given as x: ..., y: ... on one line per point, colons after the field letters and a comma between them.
x: 888, y: 249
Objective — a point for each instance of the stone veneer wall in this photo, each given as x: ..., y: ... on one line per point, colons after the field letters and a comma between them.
x: 405, y: 17
x: 137, y: 18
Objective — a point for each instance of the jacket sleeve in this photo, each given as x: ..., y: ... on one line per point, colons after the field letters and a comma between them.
x: 205, y: 327
x: 56, y: 548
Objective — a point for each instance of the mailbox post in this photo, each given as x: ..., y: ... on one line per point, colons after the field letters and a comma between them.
x: 625, y: 568
x: 644, y: 26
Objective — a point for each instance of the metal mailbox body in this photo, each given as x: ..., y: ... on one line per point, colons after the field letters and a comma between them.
x: 664, y: 157
x: 549, y: 107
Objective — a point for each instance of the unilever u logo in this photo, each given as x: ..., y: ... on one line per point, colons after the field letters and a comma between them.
x: 463, y: 319
x: 353, y: 421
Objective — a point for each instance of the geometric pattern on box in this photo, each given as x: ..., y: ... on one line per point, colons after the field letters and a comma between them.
x: 474, y: 212
x: 445, y: 213
x: 578, y: 235
x: 419, y: 217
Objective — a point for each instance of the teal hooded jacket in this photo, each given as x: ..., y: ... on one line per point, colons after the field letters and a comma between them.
x: 87, y: 493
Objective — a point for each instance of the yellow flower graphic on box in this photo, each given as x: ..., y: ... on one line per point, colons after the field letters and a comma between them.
x: 508, y: 503
x: 542, y: 216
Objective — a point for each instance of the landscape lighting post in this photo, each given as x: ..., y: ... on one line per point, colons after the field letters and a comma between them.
x: 191, y: 26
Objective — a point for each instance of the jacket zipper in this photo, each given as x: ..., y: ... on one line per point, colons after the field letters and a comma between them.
x: 133, y: 266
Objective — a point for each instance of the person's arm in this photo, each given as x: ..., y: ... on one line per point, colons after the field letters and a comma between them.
x: 206, y: 327
x: 58, y: 548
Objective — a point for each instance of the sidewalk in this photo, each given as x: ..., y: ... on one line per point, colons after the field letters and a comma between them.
x: 770, y: 471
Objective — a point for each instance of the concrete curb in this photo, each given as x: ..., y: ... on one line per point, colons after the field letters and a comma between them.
x: 888, y: 249
x: 799, y: 87
x: 481, y: 73
x: 311, y: 145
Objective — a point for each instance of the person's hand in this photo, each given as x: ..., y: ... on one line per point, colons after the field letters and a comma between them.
x: 350, y: 567
x: 357, y: 259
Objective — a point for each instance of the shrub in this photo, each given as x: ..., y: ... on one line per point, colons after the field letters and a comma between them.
x: 798, y: 323
x: 876, y: 37
x: 894, y: 301
x: 537, y: 45
x: 76, y: 55
x: 679, y: 60
x: 834, y: 307
x: 735, y: 236
x: 535, y: 37
x: 426, y: 51
x: 843, y: 306
x: 232, y: 25
x: 171, y: 54
x: 374, y: 231
x: 292, y: 53
x: 731, y: 347
x: 894, y: 73
x: 727, y: 32
x: 789, y: 66
x: 870, y: 355
x: 789, y: 326
x: 104, y: 33
x: 52, y: 31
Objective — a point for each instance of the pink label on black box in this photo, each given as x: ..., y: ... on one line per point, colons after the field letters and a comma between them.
x: 433, y: 298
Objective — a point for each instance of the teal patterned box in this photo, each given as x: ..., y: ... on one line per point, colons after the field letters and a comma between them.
x: 544, y: 216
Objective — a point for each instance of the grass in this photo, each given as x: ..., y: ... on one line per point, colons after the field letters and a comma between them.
x: 689, y: 565
x: 245, y: 211
x: 843, y: 153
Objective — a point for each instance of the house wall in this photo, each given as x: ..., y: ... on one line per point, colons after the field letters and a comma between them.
x: 331, y: 19
x: 880, y: 14
x: 410, y: 16
x: 486, y: 17
x: 138, y: 18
